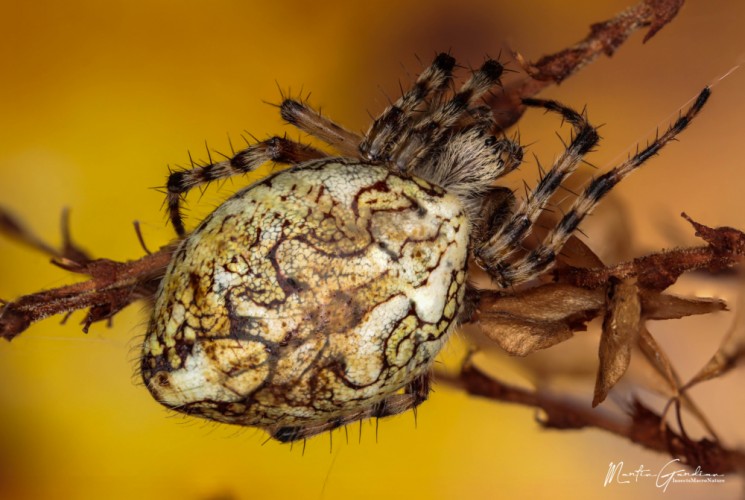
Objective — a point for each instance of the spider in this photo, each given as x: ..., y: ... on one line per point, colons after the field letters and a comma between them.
x: 321, y: 294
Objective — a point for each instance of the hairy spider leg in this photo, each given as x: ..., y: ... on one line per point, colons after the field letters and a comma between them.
x: 541, y: 258
x: 492, y: 254
x: 415, y: 393
x: 310, y: 121
x: 277, y: 149
x: 416, y: 145
x: 387, y: 127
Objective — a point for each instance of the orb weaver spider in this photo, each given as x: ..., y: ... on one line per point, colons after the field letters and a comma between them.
x: 320, y: 295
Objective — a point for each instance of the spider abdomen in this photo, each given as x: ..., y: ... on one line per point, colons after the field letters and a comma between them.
x: 308, y: 297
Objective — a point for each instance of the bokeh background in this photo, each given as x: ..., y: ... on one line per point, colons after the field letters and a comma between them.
x: 97, y: 98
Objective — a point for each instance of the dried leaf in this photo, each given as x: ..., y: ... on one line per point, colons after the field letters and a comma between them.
x: 520, y: 337
x: 549, y: 302
x: 537, y: 318
x: 620, y: 330
x: 577, y: 254
x: 668, y: 383
x: 660, y: 362
x: 731, y: 351
x: 657, y: 305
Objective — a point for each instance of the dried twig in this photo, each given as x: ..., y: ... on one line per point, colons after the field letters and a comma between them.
x: 642, y: 426
x: 112, y: 287
x: 660, y: 270
x: 604, y: 38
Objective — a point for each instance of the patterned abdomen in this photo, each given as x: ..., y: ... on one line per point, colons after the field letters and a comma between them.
x: 308, y: 296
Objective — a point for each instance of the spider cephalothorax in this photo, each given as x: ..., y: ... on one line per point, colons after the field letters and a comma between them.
x: 321, y: 295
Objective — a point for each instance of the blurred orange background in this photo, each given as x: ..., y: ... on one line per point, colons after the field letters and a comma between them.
x: 98, y: 98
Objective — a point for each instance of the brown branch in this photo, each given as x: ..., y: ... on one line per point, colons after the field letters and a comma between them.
x: 644, y: 427
x: 604, y: 38
x: 112, y: 287
x: 115, y: 285
x: 660, y: 270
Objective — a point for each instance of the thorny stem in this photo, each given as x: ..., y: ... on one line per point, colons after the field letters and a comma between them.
x: 559, y: 413
x: 660, y: 270
x: 112, y: 287
x: 644, y: 427
x: 604, y: 38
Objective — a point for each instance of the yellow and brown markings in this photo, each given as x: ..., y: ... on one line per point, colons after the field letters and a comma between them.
x: 308, y: 297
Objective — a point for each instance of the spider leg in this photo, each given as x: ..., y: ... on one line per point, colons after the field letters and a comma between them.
x: 309, y: 120
x: 537, y: 261
x: 491, y: 254
x: 415, y: 393
x: 277, y: 149
x: 387, y: 127
x: 419, y: 142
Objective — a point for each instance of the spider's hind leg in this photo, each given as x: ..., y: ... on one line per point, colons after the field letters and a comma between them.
x: 540, y: 259
x: 311, y: 121
x: 493, y: 252
x: 277, y: 149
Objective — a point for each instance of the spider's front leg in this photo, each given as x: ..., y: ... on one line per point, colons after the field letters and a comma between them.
x: 415, y: 393
x: 416, y: 144
x: 386, y: 129
x: 277, y: 149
